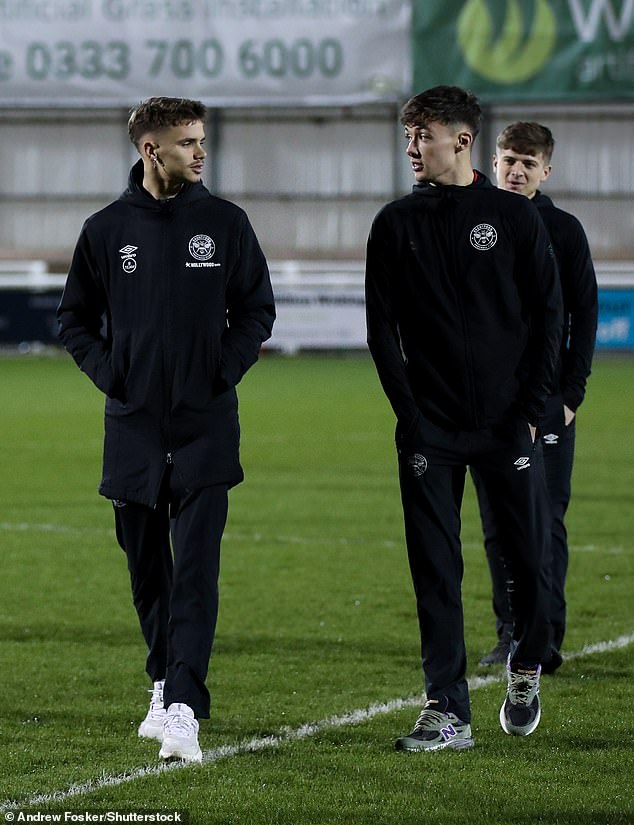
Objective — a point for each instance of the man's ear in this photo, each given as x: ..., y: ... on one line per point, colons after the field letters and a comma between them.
x: 148, y: 150
x: 464, y: 141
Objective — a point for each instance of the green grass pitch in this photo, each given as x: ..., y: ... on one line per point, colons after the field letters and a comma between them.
x: 317, y: 621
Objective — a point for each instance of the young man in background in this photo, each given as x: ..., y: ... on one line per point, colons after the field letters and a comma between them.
x: 521, y: 163
x: 166, y: 305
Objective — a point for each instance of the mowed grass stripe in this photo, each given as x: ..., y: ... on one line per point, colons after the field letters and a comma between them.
x: 232, y: 536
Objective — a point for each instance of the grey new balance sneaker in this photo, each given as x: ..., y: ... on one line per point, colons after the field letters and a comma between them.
x: 152, y: 726
x: 180, y: 734
x: 437, y: 728
x: 521, y: 711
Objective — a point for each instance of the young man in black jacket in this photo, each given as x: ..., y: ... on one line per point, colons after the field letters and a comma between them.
x: 166, y: 305
x: 464, y: 323
x: 523, y: 161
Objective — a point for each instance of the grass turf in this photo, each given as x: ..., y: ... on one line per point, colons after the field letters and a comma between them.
x: 317, y: 618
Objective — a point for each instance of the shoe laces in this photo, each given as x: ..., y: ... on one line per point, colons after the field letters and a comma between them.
x: 156, y: 702
x: 522, y: 687
x: 430, y: 719
x: 180, y: 724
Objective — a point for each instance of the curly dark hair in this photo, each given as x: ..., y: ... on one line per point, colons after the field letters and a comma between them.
x: 448, y: 105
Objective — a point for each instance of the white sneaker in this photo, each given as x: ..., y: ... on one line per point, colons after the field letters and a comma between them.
x: 180, y: 734
x: 152, y: 726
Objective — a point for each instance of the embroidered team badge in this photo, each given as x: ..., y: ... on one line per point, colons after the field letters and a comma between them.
x: 201, y: 247
x: 128, y: 258
x: 483, y: 237
x: 417, y: 464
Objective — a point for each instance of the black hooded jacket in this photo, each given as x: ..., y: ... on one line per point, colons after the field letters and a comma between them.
x: 464, y: 307
x: 165, y: 308
x: 581, y: 304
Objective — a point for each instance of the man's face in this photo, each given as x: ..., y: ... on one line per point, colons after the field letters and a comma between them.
x: 433, y: 152
x: 520, y: 173
x: 180, y: 153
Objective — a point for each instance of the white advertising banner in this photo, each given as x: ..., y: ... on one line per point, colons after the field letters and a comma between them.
x: 320, y: 305
x: 223, y: 52
x: 314, y: 319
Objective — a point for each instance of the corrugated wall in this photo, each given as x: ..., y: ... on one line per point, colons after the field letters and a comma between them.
x: 310, y: 180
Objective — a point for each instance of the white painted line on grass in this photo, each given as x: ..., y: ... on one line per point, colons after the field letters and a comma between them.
x: 282, y: 737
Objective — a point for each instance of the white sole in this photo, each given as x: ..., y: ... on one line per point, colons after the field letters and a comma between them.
x: 174, y: 752
x: 519, y: 732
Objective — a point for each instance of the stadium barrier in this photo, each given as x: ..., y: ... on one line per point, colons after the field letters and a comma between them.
x: 320, y: 305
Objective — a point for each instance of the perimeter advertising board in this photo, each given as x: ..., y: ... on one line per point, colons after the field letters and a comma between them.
x: 224, y: 52
x: 518, y: 50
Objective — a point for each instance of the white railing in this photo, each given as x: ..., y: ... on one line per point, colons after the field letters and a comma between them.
x: 34, y: 274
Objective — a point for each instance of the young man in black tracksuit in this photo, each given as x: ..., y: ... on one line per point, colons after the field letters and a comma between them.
x: 523, y: 161
x: 464, y: 322
x: 166, y: 305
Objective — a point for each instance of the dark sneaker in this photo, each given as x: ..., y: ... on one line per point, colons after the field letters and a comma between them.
x: 499, y: 654
x: 436, y: 728
x: 521, y: 711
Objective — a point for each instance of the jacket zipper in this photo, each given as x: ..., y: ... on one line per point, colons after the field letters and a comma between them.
x: 167, y: 366
x: 465, y: 330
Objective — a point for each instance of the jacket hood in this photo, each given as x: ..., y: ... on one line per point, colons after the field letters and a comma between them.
x: 451, y: 191
x: 542, y: 200
x: 138, y: 196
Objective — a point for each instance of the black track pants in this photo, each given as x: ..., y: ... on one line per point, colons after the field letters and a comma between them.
x: 432, y: 486
x: 558, y: 442
x: 173, y: 557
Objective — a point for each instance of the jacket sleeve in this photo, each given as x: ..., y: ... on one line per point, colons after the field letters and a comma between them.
x: 82, y: 317
x: 543, y: 300
x: 382, y: 328
x: 581, y: 305
x: 250, y: 309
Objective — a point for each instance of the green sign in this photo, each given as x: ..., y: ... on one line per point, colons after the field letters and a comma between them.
x: 511, y: 50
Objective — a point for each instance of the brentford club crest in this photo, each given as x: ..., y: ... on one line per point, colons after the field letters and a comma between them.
x: 201, y: 247
x: 483, y: 237
x: 417, y: 464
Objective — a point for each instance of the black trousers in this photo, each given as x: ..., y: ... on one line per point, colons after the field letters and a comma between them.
x: 558, y: 442
x: 432, y: 486
x: 173, y: 555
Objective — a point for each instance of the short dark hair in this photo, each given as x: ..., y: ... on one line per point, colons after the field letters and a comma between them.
x: 448, y: 105
x: 527, y: 138
x: 161, y: 112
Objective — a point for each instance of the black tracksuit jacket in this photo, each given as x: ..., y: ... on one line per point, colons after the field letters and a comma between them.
x: 165, y: 307
x: 464, y: 307
x: 581, y: 305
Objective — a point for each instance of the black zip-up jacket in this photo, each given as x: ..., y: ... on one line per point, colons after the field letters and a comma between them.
x: 581, y: 304
x: 464, y: 307
x: 165, y: 308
